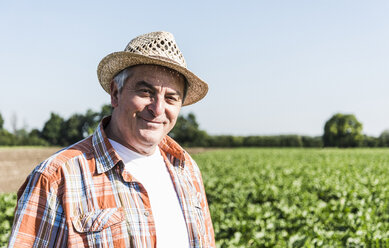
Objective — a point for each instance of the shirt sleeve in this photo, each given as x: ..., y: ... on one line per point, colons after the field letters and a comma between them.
x: 39, y: 217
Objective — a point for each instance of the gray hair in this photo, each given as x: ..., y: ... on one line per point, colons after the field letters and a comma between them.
x: 123, y: 75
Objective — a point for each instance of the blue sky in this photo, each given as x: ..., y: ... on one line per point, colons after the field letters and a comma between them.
x: 273, y: 67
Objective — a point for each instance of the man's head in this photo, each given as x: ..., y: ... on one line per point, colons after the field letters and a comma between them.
x: 146, y: 107
x: 148, y: 83
x: 156, y: 48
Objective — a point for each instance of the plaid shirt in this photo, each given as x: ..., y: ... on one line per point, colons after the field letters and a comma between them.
x: 83, y: 197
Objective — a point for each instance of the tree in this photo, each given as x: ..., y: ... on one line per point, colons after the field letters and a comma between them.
x: 105, y: 111
x: 92, y: 119
x: 51, y: 131
x: 14, y: 123
x: 34, y: 139
x: 187, y: 132
x: 6, y: 138
x: 71, y: 130
x: 343, y: 130
x: 58, y: 131
x: 1, y: 122
x: 384, y: 138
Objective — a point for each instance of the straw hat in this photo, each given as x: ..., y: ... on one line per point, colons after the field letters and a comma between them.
x: 156, y: 48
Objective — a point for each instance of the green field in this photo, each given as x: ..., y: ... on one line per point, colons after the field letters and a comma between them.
x: 298, y: 197
x: 290, y: 197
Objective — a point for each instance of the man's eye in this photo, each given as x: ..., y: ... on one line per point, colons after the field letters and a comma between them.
x: 173, y: 98
x: 145, y: 92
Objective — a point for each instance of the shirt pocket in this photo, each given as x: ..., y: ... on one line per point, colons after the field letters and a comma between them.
x: 97, y: 220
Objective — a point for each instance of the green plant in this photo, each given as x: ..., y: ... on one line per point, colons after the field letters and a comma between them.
x: 262, y: 197
x: 7, y: 207
x: 298, y: 197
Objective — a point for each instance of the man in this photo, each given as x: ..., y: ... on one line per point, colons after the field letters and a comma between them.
x: 129, y: 184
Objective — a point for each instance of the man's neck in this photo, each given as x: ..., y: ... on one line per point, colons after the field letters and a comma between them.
x: 111, y: 131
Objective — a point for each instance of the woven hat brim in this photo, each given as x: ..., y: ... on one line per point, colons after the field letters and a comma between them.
x: 113, y: 63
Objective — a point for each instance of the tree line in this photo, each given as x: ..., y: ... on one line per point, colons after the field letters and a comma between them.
x: 341, y: 130
x: 57, y: 131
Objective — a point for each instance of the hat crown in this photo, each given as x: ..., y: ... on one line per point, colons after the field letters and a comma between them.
x: 160, y: 45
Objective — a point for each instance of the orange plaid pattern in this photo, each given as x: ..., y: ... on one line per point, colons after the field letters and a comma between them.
x: 82, y: 197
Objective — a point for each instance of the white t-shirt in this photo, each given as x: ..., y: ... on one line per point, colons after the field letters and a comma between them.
x: 152, y: 173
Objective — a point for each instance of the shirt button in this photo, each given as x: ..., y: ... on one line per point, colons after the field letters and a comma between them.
x: 147, y: 213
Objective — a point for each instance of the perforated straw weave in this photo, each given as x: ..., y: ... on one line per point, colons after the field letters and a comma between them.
x: 156, y: 48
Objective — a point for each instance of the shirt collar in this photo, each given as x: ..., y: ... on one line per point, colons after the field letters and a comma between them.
x: 168, y: 145
x: 107, y: 158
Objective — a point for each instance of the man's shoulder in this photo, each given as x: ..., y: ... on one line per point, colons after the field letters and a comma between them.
x: 62, y: 164
x: 73, y: 153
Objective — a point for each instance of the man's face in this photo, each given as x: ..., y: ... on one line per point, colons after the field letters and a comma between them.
x: 147, y: 107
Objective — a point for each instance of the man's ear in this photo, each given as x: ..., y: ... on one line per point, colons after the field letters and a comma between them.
x: 114, y: 94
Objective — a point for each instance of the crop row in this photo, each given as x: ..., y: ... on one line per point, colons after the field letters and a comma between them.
x: 288, y: 197
x: 298, y: 197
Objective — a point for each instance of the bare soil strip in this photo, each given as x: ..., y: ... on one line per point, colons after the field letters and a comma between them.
x: 16, y: 163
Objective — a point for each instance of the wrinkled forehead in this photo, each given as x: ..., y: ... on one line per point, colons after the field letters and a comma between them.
x: 156, y: 69
x: 156, y: 73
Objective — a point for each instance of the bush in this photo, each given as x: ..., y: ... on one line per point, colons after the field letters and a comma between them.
x: 384, y: 139
x: 309, y: 141
x: 273, y: 141
x: 7, y: 138
x: 369, y: 141
x: 225, y: 141
x: 21, y: 138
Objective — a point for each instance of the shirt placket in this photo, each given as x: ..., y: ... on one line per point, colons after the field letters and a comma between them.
x: 139, y: 215
x: 187, y: 203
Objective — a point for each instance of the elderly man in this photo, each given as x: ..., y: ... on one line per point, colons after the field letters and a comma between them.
x: 129, y: 184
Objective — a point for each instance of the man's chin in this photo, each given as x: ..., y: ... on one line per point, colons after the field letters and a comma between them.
x: 152, y: 137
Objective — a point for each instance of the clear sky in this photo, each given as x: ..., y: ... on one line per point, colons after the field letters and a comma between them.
x: 273, y: 67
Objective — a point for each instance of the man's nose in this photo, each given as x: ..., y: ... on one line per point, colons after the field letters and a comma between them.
x: 157, y: 106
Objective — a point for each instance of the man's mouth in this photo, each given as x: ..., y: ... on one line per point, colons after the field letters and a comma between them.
x: 152, y: 122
